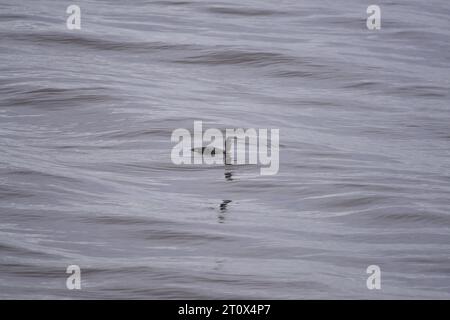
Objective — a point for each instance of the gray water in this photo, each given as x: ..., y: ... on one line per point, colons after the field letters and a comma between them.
x: 86, y: 176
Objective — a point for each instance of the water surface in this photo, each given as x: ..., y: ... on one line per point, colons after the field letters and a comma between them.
x: 86, y: 177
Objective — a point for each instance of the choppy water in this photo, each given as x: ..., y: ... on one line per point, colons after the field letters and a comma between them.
x: 85, y: 170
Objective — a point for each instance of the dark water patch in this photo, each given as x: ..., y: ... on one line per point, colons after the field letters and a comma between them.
x: 246, y: 12
x: 54, y: 98
x: 183, y: 237
x: 140, y: 133
x: 239, y: 57
x: 26, y: 270
x: 364, y: 85
x: 422, y: 91
x: 10, y: 193
x: 94, y: 43
x: 126, y: 220
x: 293, y: 74
x: 398, y: 217
x: 28, y: 174
x: 173, y: 3
x: 12, y: 17
x: 7, y: 250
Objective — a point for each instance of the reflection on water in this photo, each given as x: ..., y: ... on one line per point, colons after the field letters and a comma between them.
x: 228, y: 174
x: 223, y: 209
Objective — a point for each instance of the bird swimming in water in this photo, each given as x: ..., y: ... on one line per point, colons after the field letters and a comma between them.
x: 209, y: 150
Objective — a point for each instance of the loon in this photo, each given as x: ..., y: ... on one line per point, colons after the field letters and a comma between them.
x: 210, y: 150
x: 226, y: 152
